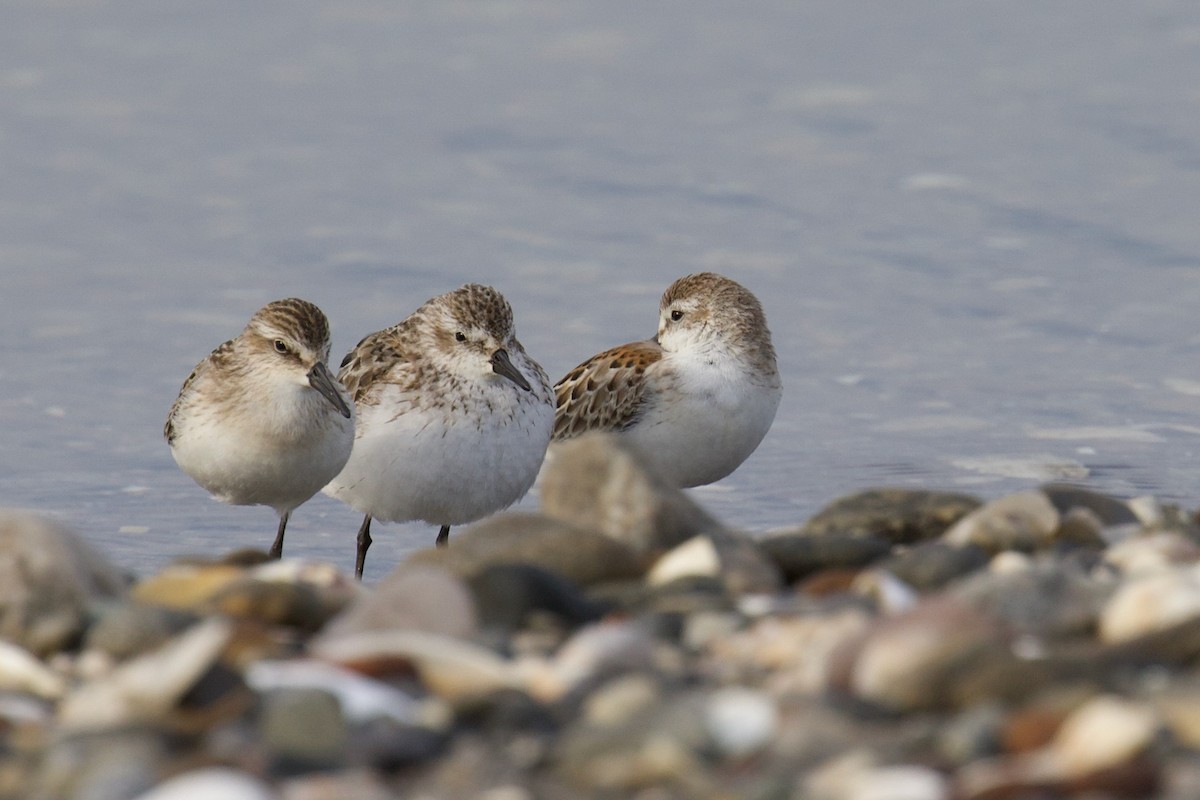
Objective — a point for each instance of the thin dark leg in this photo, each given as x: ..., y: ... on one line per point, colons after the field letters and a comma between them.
x: 276, y: 550
x: 364, y: 541
x: 443, y: 538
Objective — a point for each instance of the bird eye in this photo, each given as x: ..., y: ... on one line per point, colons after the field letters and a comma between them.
x: 676, y: 315
x: 459, y: 336
x: 280, y: 346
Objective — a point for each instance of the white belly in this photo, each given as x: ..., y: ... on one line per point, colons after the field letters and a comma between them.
x: 707, y: 431
x: 243, y: 465
x: 443, y: 469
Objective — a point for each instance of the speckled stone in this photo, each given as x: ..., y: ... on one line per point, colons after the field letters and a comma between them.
x: 901, y: 516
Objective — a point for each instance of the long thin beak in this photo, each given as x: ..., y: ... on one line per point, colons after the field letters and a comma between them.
x: 502, y: 366
x: 320, y: 379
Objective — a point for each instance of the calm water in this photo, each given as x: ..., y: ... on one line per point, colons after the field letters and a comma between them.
x: 974, y: 226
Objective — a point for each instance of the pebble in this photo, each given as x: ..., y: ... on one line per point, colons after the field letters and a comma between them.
x: 899, y: 516
x: 524, y: 538
x: 737, y: 562
x: 20, y: 671
x: 456, y: 670
x: 1105, y: 732
x: 908, y: 662
x: 1151, y: 603
x: 49, y: 577
x: 508, y: 596
x: 303, y: 729
x: 900, y: 644
x: 144, y: 689
x: 1043, y: 597
x: 1023, y: 522
x: 412, y: 598
x: 599, y: 482
x: 1161, y: 551
x: 211, y: 783
x: 929, y: 566
x: 740, y: 721
x: 798, y: 555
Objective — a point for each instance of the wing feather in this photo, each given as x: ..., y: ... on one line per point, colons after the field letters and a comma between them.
x: 605, y: 393
x: 220, y: 354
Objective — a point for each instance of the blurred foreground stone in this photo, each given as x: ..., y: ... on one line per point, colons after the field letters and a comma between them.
x: 623, y: 643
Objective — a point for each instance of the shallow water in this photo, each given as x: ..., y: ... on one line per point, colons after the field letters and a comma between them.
x: 973, y: 227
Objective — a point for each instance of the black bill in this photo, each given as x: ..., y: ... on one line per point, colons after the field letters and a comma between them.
x: 502, y: 366
x: 320, y: 379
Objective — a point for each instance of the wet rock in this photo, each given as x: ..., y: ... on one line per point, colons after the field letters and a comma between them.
x: 49, y: 577
x: 582, y: 556
x: 1023, y: 521
x: 411, y: 598
x: 798, y: 555
x: 732, y: 558
x: 303, y: 730
x: 929, y: 566
x: 1049, y: 597
x: 597, y: 481
x: 900, y: 516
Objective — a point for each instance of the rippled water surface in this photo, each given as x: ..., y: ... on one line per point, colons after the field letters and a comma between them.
x: 974, y: 227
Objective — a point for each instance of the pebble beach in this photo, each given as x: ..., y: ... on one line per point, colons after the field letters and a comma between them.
x: 621, y: 642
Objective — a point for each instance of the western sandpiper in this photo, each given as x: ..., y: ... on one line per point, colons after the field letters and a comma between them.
x: 697, y: 398
x: 261, y: 421
x: 453, y: 416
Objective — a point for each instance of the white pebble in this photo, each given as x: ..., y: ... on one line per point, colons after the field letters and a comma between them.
x: 741, y: 721
x: 1105, y: 732
x: 1151, y: 603
x: 900, y: 783
x: 209, y: 783
x: 695, y: 557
